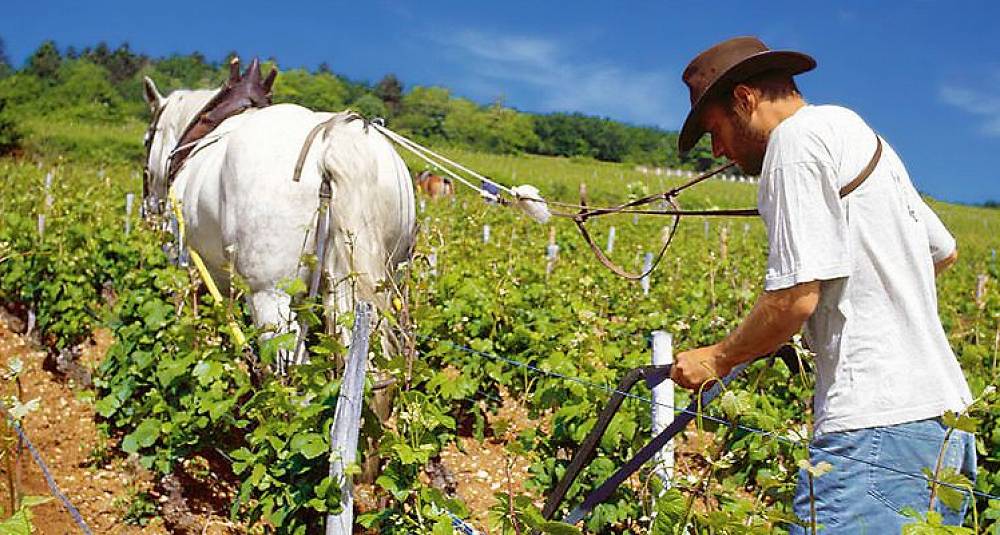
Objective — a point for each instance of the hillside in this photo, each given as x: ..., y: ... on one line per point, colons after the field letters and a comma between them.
x: 515, y: 352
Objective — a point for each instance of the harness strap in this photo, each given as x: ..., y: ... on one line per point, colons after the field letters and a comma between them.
x: 311, y: 136
x: 866, y: 172
x: 239, y: 339
x: 306, y: 145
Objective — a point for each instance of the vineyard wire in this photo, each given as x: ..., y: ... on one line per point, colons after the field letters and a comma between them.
x: 461, y: 526
x: 53, y: 487
x: 721, y: 421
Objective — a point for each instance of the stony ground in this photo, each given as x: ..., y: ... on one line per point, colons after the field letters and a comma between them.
x: 112, y: 494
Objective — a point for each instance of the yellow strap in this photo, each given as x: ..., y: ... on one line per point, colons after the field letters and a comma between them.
x: 237, y: 334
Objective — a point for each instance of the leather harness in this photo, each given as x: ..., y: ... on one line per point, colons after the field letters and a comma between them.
x: 238, y: 94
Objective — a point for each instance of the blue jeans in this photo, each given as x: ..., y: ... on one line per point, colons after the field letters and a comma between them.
x: 856, y: 497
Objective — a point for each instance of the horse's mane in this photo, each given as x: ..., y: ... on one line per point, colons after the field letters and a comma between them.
x: 184, y: 104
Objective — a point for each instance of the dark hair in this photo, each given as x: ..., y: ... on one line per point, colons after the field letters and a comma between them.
x: 771, y: 85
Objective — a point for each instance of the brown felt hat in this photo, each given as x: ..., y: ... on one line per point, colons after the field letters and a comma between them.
x: 726, y: 64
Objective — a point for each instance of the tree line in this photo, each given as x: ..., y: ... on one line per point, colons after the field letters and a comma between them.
x: 103, y: 84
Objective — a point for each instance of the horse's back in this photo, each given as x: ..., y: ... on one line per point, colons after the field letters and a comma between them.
x: 267, y: 214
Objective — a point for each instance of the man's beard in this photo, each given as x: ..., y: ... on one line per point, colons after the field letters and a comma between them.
x: 751, y: 146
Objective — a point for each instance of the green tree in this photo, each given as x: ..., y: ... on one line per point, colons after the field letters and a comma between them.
x: 700, y: 156
x: 84, y: 91
x: 10, y: 134
x: 121, y: 63
x: 494, y: 128
x: 5, y: 68
x: 390, y: 90
x: 424, y: 112
x: 45, y: 61
x: 190, y: 71
x: 370, y: 106
x: 21, y: 90
x: 315, y: 91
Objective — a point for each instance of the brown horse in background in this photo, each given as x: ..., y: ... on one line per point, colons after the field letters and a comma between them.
x: 434, y: 186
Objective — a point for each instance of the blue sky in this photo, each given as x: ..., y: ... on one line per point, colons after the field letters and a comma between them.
x: 925, y: 74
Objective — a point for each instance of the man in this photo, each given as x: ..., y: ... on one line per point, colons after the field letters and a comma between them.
x: 852, y: 256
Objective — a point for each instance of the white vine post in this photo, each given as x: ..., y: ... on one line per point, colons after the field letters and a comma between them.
x: 486, y: 234
x: 724, y: 242
x: 48, y: 191
x: 706, y: 229
x: 347, y: 421
x: 432, y: 262
x: 981, y: 290
x: 647, y: 264
x: 663, y: 406
x: 129, y: 201
x: 611, y: 240
x: 551, y: 252
x: 48, y: 205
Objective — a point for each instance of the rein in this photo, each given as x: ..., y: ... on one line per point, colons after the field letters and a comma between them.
x: 148, y: 139
x: 670, y: 196
x: 528, y: 200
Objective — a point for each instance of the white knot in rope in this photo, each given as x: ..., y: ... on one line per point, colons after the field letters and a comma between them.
x: 531, y: 202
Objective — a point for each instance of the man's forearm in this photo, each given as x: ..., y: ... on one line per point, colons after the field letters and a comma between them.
x: 775, y: 317
x: 946, y: 262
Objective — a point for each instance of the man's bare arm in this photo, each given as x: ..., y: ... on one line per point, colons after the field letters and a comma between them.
x: 775, y: 317
x: 946, y: 262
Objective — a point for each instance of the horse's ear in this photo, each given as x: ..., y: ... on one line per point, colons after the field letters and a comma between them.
x: 151, y: 94
x: 269, y: 82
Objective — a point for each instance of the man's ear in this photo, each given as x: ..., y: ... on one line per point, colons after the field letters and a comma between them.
x: 744, y: 100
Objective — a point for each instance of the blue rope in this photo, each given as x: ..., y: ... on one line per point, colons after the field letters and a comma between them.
x: 53, y: 487
x: 461, y: 526
x: 721, y: 421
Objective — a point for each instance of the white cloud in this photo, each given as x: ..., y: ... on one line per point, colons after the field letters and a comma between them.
x: 557, y: 79
x: 984, y: 103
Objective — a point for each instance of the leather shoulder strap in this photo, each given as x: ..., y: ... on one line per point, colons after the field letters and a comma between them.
x: 866, y: 172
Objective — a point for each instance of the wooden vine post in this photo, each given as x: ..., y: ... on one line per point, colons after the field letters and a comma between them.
x: 347, y: 421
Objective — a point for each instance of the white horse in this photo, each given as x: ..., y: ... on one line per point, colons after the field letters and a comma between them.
x: 245, y: 214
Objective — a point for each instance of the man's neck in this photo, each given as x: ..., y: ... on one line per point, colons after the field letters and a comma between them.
x: 770, y: 113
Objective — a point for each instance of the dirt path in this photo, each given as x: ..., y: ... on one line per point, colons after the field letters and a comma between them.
x: 111, y: 493
x: 64, y: 433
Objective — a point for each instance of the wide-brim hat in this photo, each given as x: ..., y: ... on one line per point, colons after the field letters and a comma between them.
x: 726, y: 64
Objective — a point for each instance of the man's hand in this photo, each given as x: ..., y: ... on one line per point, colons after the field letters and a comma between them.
x: 775, y: 317
x: 693, y: 368
x: 945, y: 263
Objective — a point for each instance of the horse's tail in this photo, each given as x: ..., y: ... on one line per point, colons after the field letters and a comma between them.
x: 372, y: 196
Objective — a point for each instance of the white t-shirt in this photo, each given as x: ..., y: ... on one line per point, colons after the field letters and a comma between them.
x: 882, y: 356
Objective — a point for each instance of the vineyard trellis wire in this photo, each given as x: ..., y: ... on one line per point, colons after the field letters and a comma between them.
x: 49, y: 480
x: 715, y: 419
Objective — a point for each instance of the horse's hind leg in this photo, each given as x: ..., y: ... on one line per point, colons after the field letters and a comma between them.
x: 272, y: 309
